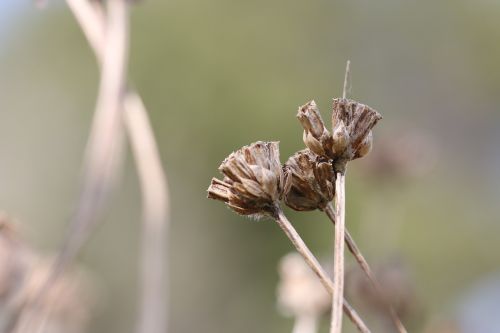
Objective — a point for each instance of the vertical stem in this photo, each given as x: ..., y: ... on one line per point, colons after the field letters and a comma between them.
x: 155, y: 215
x: 346, y: 79
x: 354, y: 249
x: 305, y: 324
x: 313, y: 263
x: 338, y: 259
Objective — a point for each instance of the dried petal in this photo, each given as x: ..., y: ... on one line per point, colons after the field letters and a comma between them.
x: 358, y: 120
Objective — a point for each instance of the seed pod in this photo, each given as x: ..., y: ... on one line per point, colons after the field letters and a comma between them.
x: 340, y: 139
x: 316, y: 137
x: 358, y: 119
x: 254, y: 180
x: 312, y: 181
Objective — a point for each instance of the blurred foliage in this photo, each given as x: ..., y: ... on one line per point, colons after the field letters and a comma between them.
x: 217, y: 75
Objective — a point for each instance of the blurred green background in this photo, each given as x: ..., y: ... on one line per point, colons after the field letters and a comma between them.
x: 216, y: 75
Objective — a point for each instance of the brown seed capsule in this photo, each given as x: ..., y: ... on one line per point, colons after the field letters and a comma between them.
x: 254, y: 180
x: 316, y: 137
x: 359, y: 119
x: 312, y: 181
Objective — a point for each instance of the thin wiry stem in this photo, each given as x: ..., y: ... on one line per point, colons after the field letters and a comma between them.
x: 347, y: 79
x: 338, y: 259
x: 354, y: 249
x: 313, y: 263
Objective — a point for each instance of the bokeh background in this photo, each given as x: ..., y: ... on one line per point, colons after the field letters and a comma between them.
x: 216, y: 75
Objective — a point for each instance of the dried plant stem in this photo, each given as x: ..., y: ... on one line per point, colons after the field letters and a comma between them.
x: 354, y: 249
x: 338, y: 259
x: 104, y: 152
x: 153, y: 180
x: 313, y: 263
x: 153, y: 316
x: 305, y: 324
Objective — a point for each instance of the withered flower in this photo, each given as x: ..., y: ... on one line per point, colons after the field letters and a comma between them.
x: 254, y: 180
x: 316, y: 137
x: 352, y: 124
x: 312, y: 181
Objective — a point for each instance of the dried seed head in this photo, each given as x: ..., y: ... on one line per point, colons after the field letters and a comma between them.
x: 358, y: 119
x: 254, y: 181
x: 316, y: 137
x: 312, y: 181
x: 299, y: 292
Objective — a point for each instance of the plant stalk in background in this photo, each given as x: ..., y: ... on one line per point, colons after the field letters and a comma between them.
x: 106, y: 29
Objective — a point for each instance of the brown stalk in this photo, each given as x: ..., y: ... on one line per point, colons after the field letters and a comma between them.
x: 354, y: 249
x: 313, y: 263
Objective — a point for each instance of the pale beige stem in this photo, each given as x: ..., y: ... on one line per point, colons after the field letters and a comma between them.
x: 103, y: 158
x: 338, y: 255
x: 354, y: 249
x: 153, y: 180
x: 155, y: 197
x: 313, y: 263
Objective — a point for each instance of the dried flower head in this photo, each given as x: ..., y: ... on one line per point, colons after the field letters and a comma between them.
x: 312, y: 181
x: 352, y: 123
x: 254, y: 180
x: 316, y: 137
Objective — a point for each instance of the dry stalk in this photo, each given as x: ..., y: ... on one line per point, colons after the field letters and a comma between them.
x: 98, y: 29
x: 338, y: 259
x: 365, y: 267
x: 312, y: 262
x: 338, y: 255
x: 104, y: 153
x: 152, y: 178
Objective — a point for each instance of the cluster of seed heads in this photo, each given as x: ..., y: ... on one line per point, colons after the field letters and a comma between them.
x: 255, y: 181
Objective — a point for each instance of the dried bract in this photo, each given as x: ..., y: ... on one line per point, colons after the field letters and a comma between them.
x: 316, y: 137
x: 312, y: 181
x: 356, y: 120
x: 254, y: 181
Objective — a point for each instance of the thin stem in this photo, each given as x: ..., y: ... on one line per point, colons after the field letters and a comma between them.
x: 313, y: 263
x: 354, y: 249
x: 305, y: 324
x: 155, y: 197
x: 153, y: 179
x: 347, y: 79
x: 338, y: 256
